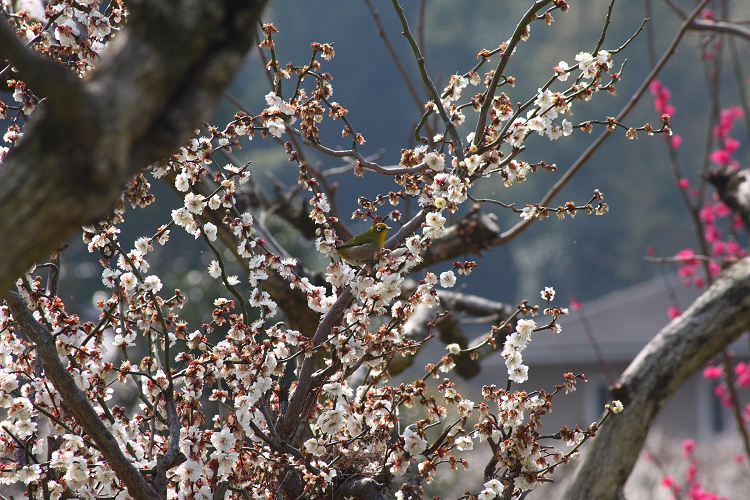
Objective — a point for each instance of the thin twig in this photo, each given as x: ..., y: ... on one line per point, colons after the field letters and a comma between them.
x: 586, y: 155
x: 396, y: 59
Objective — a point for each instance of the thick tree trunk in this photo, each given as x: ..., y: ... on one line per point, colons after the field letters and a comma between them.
x: 157, y: 82
x: 717, y: 318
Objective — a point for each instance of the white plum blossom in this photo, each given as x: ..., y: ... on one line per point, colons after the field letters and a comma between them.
x: 337, y: 389
x: 189, y: 471
x: 195, y: 203
x: 529, y: 212
x: 128, y: 281
x: 214, y: 270
x: 275, y: 103
x: 447, y: 279
x: 587, y: 63
x: 152, y: 283
x: 413, y: 443
x: 486, y: 495
x: 464, y: 443
x: 465, y: 407
x: 182, y: 182
x: 562, y: 71
x: 223, y: 441
x: 434, y: 225
x: 29, y: 473
x: 519, y: 375
x: 77, y: 473
x: 214, y: 202
x: 525, y: 326
x: 182, y: 217
x: 109, y: 277
x: 435, y: 161
x: 127, y: 340
x: 276, y: 127
x: 210, y: 230
x: 332, y: 421
x: 316, y: 447
x: 66, y: 33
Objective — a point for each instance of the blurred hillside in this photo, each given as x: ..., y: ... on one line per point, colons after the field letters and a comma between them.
x: 586, y: 256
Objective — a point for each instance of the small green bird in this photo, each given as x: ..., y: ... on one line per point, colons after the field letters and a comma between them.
x: 363, y: 247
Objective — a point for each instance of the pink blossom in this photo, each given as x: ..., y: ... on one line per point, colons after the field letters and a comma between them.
x: 743, y: 374
x: 722, y: 210
x: 714, y: 372
x: 683, y: 183
x: 687, y: 448
x: 691, y: 471
x: 714, y: 269
x: 712, y: 233
x: 720, y: 157
x: 669, y: 482
x: 733, y: 248
x: 675, y: 141
x: 673, y: 312
x: 731, y: 145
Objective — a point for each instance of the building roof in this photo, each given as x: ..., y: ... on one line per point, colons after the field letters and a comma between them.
x: 620, y: 323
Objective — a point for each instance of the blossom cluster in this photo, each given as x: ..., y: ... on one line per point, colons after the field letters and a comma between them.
x: 692, y: 485
x: 73, y: 31
x: 251, y: 405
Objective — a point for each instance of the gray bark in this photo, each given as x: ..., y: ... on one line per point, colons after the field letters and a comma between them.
x: 156, y: 83
x: 717, y: 318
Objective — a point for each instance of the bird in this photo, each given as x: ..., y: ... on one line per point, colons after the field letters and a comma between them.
x: 363, y: 247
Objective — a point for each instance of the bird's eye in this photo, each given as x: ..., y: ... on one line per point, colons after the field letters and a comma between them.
x: 380, y: 228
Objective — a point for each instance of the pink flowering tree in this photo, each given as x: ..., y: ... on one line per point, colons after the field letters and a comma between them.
x: 716, y: 200
x: 281, y: 389
x: 717, y: 204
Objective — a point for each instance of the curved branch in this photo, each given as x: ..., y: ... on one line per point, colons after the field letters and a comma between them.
x: 159, y: 79
x: 77, y: 402
x: 716, y: 318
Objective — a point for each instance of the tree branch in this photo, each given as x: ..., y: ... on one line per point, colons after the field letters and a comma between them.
x: 46, y: 77
x: 586, y: 155
x: 77, y: 402
x: 159, y: 79
x: 715, y: 319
